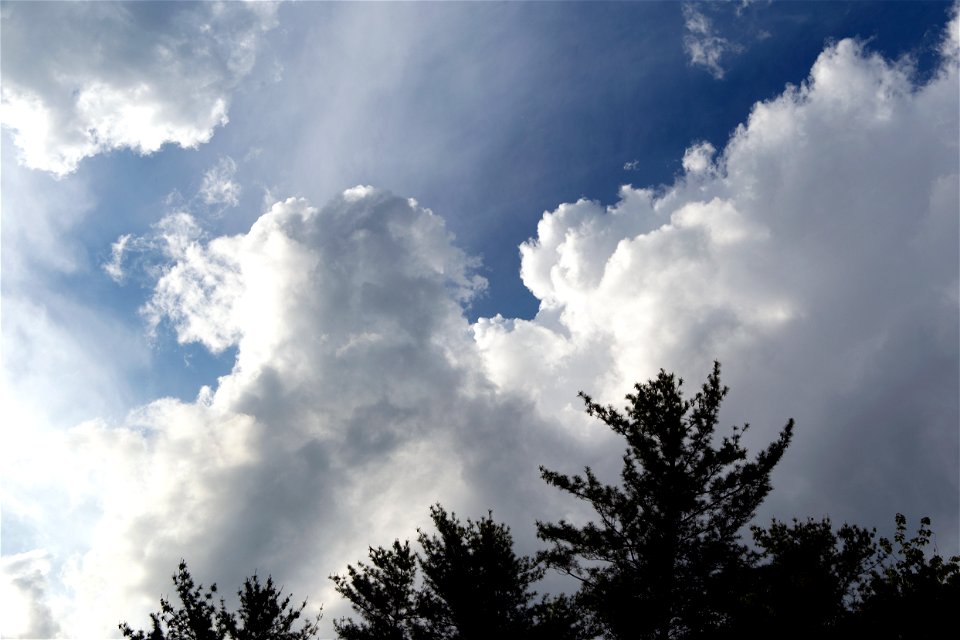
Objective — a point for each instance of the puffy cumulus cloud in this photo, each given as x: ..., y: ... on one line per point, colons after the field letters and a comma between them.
x: 817, y: 259
x: 159, y: 76
x: 356, y: 400
x: 698, y: 158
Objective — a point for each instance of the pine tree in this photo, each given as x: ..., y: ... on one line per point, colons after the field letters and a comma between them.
x: 470, y: 584
x: 475, y: 585
x: 655, y: 562
x: 383, y: 594
x: 264, y: 614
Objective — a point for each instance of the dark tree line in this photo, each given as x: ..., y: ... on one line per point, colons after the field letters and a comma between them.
x: 663, y: 558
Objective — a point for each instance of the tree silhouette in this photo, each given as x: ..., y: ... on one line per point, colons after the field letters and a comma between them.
x: 910, y: 593
x: 659, y: 560
x: 383, y: 594
x: 812, y: 581
x: 264, y: 614
x: 806, y: 578
x: 475, y: 586
x: 663, y: 558
x: 472, y: 585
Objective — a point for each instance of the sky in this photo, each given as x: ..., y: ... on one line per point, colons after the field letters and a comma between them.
x: 275, y: 278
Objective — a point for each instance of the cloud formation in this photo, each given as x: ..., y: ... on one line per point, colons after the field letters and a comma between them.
x: 23, y: 587
x: 816, y: 258
x: 87, y: 78
x: 219, y: 186
x: 702, y: 44
x: 815, y: 255
x: 698, y: 158
x: 356, y: 400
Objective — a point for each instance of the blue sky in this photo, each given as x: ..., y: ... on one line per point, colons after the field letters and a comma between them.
x: 773, y: 185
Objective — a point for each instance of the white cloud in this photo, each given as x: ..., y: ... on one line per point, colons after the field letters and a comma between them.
x: 950, y: 47
x: 817, y: 259
x: 218, y: 186
x: 702, y: 44
x: 356, y: 401
x: 69, y: 92
x: 698, y: 158
x: 114, y: 268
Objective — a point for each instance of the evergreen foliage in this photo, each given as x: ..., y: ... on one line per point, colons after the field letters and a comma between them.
x: 470, y: 585
x: 383, y: 594
x: 663, y: 559
x: 475, y: 586
x: 666, y: 544
x: 264, y: 614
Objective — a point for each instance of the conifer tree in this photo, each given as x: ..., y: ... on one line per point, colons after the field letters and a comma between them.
x: 264, y: 614
x: 470, y: 584
x: 383, y: 594
x: 655, y: 562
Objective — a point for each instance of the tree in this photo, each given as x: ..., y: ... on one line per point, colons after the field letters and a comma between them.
x: 813, y: 581
x: 264, y: 614
x: 471, y: 585
x: 910, y: 593
x: 383, y: 594
x: 806, y: 578
x: 658, y: 561
x: 475, y: 586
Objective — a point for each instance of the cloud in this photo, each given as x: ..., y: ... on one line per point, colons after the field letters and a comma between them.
x: 159, y: 77
x: 23, y: 585
x: 114, y: 268
x: 816, y: 257
x: 701, y: 43
x: 52, y: 338
x: 181, y: 228
x: 950, y: 45
x: 698, y: 158
x: 356, y: 400
x: 218, y: 186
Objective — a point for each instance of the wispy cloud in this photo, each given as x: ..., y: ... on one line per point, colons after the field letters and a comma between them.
x: 219, y: 187
x: 703, y: 46
x: 114, y: 268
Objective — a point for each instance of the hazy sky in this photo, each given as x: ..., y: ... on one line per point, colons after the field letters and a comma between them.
x: 275, y: 278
